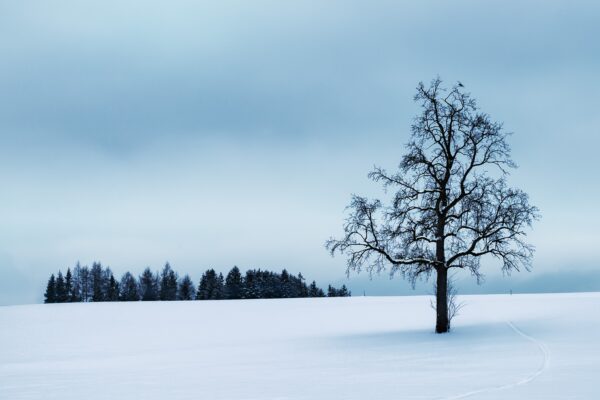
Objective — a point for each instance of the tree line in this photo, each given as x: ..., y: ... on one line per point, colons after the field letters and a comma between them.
x: 98, y: 284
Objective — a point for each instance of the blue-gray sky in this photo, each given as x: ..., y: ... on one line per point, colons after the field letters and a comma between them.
x: 215, y: 133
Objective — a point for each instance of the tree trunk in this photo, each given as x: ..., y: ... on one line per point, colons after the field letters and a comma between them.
x: 442, y: 324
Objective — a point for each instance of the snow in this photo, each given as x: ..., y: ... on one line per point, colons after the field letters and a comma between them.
x: 543, y: 346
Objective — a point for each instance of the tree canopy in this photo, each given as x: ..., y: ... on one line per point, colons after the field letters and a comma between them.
x: 450, y: 202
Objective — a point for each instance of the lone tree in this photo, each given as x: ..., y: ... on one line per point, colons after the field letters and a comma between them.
x: 451, y: 204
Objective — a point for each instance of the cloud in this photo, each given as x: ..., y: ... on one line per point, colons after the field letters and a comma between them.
x: 214, y: 134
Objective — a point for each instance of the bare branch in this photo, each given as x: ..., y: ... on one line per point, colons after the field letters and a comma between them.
x: 451, y: 206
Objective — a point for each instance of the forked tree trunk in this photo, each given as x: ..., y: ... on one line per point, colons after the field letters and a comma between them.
x: 442, y: 324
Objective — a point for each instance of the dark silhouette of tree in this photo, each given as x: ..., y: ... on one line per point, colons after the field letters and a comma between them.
x: 206, y: 285
x: 285, y: 287
x: 315, y: 291
x: 112, y: 291
x: 203, y: 287
x: 234, y: 285
x: 451, y: 204
x: 50, y: 295
x: 186, y: 289
x: 250, y: 289
x: 211, y: 286
x: 301, y: 288
x: 69, y: 285
x: 98, y: 282
x: 128, y: 289
x: 219, y: 289
x: 86, y: 287
x: 168, y: 283
x: 76, y: 294
x: 107, y: 291
x: 149, y: 285
x: 331, y: 291
x: 343, y: 292
x: 61, y: 290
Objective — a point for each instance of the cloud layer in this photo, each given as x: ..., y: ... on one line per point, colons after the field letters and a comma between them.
x: 212, y: 134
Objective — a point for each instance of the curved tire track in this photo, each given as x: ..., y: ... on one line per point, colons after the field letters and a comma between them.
x: 543, y: 349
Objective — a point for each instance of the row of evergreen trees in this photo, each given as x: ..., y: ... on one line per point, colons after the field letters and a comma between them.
x: 85, y: 284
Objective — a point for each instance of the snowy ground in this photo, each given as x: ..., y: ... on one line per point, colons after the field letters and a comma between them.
x: 503, y: 347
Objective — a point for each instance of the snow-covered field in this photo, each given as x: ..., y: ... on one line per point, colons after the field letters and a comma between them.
x: 502, y: 347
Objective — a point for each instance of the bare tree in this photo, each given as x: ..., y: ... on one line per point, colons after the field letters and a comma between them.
x: 451, y: 204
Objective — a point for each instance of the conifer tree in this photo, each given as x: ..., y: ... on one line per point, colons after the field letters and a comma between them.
x: 331, y: 291
x: 76, y: 292
x: 61, y: 291
x: 69, y: 285
x: 233, y: 284
x: 201, y: 294
x: 218, y: 292
x: 186, y: 289
x: 302, y: 289
x: 98, y: 282
x: 211, y: 286
x: 343, y: 292
x: 284, y: 286
x: 315, y: 291
x: 112, y: 291
x: 334, y: 292
x: 128, y: 288
x: 86, y: 283
x: 50, y: 295
x: 149, y: 285
x: 249, y: 292
x: 168, y: 284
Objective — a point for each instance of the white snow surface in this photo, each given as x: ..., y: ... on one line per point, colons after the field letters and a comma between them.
x: 542, y: 346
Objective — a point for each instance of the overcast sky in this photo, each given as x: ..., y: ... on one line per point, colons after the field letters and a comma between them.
x: 213, y: 134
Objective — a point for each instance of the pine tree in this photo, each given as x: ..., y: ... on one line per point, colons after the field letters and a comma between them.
x: 186, y: 289
x: 98, y: 282
x: 201, y: 294
x: 61, y: 290
x: 331, y: 291
x: 112, y: 291
x: 211, y: 286
x: 315, y: 291
x: 107, y: 291
x: 343, y: 292
x: 302, y: 289
x: 250, y: 285
x: 76, y: 294
x: 168, y: 284
x: 50, y: 295
x: 86, y: 284
x: 233, y: 284
x: 284, y: 287
x: 218, y: 292
x: 128, y: 288
x: 69, y: 285
x: 149, y: 285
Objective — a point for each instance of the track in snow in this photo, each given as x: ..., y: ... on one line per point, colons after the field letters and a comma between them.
x: 545, y: 353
